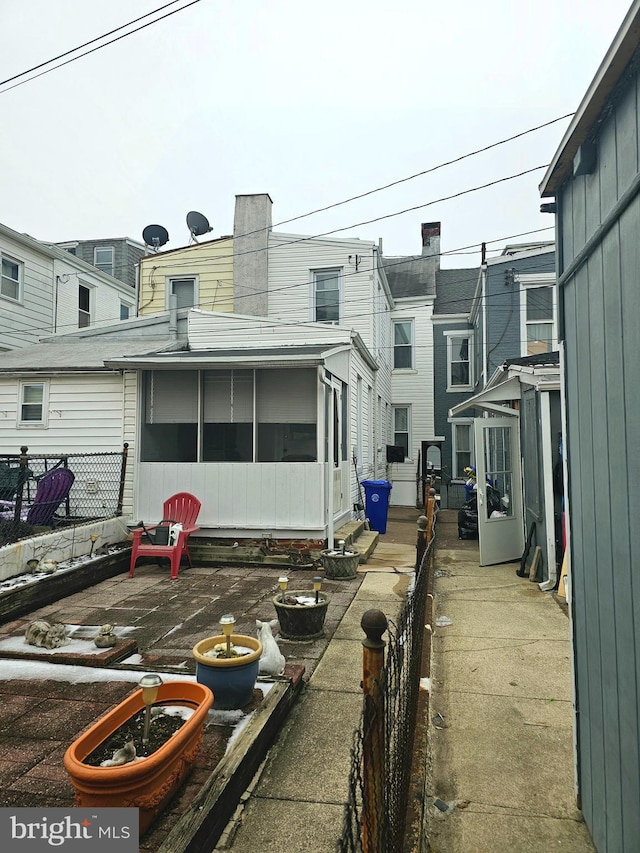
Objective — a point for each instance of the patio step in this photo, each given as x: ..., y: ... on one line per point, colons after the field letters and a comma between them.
x: 354, y: 533
x: 366, y: 544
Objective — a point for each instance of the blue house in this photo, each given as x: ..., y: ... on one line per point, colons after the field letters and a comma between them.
x: 593, y: 184
x: 498, y: 401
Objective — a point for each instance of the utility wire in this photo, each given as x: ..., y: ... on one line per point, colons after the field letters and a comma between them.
x: 86, y: 43
x: 395, y: 262
x: 356, y: 224
x: 377, y: 189
x: 99, y: 47
x: 425, y: 171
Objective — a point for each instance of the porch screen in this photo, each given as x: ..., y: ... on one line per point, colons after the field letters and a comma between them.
x: 286, y: 407
x: 170, y: 424
x: 227, y: 434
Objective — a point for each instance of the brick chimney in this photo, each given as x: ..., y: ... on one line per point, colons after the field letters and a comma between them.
x: 251, y: 229
x: 431, y: 241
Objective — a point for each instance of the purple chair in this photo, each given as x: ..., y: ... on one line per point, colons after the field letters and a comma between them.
x: 53, y: 488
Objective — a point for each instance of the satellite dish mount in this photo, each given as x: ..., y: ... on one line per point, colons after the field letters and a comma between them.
x: 155, y: 236
x: 198, y: 224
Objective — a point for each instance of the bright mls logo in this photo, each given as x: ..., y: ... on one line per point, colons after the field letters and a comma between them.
x: 36, y: 830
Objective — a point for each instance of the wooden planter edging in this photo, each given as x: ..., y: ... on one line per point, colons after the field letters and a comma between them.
x: 23, y: 599
x: 201, y: 826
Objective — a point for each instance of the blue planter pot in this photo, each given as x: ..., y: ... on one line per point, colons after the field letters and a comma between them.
x: 230, y: 679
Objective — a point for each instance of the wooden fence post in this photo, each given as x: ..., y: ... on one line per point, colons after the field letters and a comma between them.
x: 374, y: 624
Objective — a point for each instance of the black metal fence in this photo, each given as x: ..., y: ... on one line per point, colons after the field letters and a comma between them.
x: 33, y: 501
x: 375, y: 817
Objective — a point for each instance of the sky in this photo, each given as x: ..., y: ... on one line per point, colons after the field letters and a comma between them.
x: 311, y: 102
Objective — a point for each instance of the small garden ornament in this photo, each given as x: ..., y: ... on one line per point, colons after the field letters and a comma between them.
x: 272, y: 661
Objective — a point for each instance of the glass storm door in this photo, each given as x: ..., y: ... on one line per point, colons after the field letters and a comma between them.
x: 500, y: 520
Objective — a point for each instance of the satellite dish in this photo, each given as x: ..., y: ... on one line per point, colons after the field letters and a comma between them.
x: 198, y: 224
x: 155, y: 236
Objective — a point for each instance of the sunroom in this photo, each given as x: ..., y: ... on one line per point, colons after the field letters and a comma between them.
x: 261, y: 436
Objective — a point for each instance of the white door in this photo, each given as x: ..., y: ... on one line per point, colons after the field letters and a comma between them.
x: 500, y: 520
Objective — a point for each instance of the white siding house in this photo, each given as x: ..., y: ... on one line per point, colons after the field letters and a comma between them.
x: 45, y: 290
x: 341, y: 282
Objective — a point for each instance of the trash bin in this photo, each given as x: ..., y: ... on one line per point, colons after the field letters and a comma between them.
x: 376, y: 496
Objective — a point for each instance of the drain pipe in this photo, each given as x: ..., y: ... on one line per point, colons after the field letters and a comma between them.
x: 173, y: 317
x: 547, y: 466
x: 328, y: 415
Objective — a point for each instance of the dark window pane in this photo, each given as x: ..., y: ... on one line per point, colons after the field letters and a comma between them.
x: 459, y: 373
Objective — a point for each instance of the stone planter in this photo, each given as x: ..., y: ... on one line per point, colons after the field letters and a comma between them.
x: 301, y: 621
x: 338, y: 565
x: 231, y: 679
x: 149, y: 783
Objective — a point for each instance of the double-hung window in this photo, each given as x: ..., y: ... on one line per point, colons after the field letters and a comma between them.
x: 11, y: 282
x: 184, y: 289
x: 538, y: 312
x: 402, y: 428
x: 403, y: 344
x: 84, y: 306
x: 326, y: 295
x: 459, y: 362
x: 33, y: 398
x: 103, y: 259
x: 462, y: 446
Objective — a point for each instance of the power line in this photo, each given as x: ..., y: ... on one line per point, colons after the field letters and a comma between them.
x: 375, y: 190
x: 98, y: 47
x: 291, y: 286
x: 425, y: 171
x: 86, y: 44
x: 306, y: 239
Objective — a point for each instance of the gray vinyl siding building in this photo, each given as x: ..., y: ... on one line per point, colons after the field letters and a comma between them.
x: 124, y: 255
x: 503, y: 304
x: 595, y: 179
x: 454, y: 295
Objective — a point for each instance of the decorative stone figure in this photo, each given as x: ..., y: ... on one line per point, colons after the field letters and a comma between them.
x: 105, y: 637
x: 45, y: 635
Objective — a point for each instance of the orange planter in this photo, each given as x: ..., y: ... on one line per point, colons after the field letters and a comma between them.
x: 147, y: 784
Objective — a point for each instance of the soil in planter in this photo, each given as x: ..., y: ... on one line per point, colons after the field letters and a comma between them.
x: 161, y: 728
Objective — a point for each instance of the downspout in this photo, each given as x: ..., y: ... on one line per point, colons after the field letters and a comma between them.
x: 547, y: 480
x: 173, y: 317
x: 485, y: 343
x: 329, y: 461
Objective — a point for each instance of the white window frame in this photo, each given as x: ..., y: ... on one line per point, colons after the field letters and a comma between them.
x: 128, y: 307
x: 529, y: 282
x: 81, y: 311
x: 101, y: 264
x: 19, y: 281
x: 411, y: 345
x: 456, y: 422
x: 339, y: 271
x: 44, y: 419
x: 394, y: 409
x: 196, y: 294
x: 456, y: 335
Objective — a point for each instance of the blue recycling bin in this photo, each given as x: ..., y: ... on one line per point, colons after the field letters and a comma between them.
x: 376, y: 496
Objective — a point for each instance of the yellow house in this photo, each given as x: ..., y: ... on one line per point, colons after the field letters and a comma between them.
x: 200, y: 276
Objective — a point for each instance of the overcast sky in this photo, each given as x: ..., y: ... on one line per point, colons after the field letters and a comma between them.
x: 310, y: 102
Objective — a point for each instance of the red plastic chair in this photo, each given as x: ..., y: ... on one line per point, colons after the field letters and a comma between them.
x: 183, y: 508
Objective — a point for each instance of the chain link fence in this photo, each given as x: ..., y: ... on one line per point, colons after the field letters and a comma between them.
x: 375, y: 815
x: 32, y: 501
